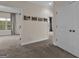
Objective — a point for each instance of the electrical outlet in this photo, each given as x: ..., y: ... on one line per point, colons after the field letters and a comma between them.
x: 56, y: 39
x: 19, y: 26
x: 56, y: 12
x: 56, y: 26
x: 20, y: 38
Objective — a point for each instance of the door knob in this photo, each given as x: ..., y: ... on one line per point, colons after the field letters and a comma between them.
x: 70, y: 30
x: 73, y: 30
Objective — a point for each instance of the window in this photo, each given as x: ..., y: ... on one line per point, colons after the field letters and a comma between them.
x: 5, y: 23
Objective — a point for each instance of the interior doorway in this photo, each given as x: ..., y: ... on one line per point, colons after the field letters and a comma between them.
x: 50, y: 24
x: 50, y: 31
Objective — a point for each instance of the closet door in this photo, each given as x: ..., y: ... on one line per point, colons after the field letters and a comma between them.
x: 65, y: 24
x: 68, y: 28
x: 75, y: 37
x: 65, y: 30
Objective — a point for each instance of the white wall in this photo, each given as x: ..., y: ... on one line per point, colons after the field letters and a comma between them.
x: 32, y: 31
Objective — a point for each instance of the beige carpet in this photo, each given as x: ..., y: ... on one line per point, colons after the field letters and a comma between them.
x: 36, y: 50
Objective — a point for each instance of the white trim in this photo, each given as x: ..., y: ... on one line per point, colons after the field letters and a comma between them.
x: 9, y: 9
x: 70, y: 51
x: 54, y: 43
x: 33, y: 41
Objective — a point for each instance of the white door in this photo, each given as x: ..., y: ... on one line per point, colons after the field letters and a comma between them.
x: 67, y: 20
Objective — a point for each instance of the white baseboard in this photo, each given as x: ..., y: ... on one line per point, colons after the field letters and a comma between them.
x: 54, y: 43
x: 33, y: 41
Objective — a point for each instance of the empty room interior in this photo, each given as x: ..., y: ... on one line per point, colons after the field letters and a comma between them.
x: 39, y: 29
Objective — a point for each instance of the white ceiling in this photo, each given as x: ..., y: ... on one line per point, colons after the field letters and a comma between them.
x: 23, y: 3
x: 43, y: 3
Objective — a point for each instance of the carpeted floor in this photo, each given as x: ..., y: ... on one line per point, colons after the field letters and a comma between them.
x: 36, y: 50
